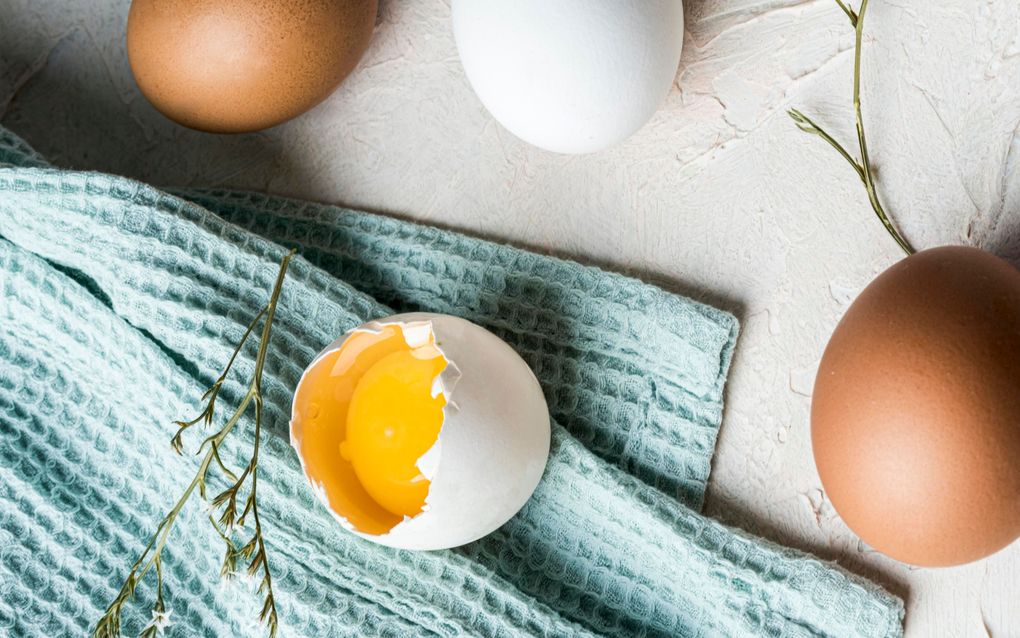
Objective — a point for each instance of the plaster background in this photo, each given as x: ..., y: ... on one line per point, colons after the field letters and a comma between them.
x: 719, y: 197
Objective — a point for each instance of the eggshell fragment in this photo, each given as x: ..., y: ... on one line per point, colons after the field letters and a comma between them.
x: 915, y: 419
x: 493, y: 445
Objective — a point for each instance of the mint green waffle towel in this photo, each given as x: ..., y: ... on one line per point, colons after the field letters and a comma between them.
x: 119, y: 304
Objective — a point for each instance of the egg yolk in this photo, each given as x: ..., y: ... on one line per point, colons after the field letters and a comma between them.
x: 393, y: 420
x: 365, y: 415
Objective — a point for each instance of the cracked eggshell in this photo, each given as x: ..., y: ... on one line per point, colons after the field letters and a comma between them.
x: 494, y: 443
x: 571, y: 76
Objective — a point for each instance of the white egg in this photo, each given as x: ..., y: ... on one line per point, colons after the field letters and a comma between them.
x: 486, y: 461
x: 570, y: 76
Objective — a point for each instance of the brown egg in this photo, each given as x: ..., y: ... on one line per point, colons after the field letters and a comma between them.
x: 231, y: 66
x: 915, y: 420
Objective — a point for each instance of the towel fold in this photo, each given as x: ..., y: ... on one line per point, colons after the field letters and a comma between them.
x: 121, y: 303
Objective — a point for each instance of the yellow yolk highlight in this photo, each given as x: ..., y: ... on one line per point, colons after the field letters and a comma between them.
x: 392, y: 422
x: 364, y: 415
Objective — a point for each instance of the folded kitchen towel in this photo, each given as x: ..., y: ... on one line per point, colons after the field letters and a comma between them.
x: 120, y: 303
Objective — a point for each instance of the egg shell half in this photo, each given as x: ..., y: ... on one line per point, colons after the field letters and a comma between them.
x: 570, y: 76
x: 492, y: 448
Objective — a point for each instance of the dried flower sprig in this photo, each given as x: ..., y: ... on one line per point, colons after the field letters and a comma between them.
x: 254, y: 550
x: 160, y: 614
x: 862, y: 167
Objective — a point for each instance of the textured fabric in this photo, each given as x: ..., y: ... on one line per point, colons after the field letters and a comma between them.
x: 119, y: 304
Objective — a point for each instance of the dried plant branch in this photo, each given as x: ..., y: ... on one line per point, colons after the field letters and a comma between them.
x: 210, y: 396
x: 254, y: 551
x: 805, y: 124
x: 862, y: 167
x: 848, y: 11
x: 160, y: 615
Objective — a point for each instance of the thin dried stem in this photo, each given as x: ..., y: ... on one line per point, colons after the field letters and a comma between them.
x: 210, y: 396
x: 159, y: 609
x: 848, y: 11
x: 807, y: 125
x: 862, y: 167
x: 869, y: 179
x: 110, y: 624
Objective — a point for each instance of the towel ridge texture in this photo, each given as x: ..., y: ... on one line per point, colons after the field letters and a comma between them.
x: 120, y: 303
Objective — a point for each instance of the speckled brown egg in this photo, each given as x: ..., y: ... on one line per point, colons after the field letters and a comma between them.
x: 231, y: 66
x: 915, y: 421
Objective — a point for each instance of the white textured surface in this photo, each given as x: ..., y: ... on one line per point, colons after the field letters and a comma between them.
x: 719, y: 197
